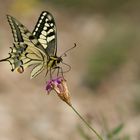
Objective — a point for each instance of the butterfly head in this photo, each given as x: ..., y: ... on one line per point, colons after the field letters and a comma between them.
x: 59, y: 59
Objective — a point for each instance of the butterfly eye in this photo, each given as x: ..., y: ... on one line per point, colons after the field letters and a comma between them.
x: 59, y: 60
x: 20, y: 69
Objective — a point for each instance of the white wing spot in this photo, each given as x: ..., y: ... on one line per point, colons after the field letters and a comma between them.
x: 51, y: 30
x: 46, y: 24
x: 42, y: 37
x: 44, y: 45
x: 44, y: 14
x: 46, y: 19
x: 50, y: 38
x: 44, y: 33
x: 38, y: 25
x: 42, y: 40
x: 40, y: 21
x: 52, y: 24
x: 49, y: 17
x: 45, y: 28
x: 42, y: 17
x: 36, y: 29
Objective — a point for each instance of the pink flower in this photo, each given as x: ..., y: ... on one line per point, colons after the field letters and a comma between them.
x: 59, y: 85
x: 51, y: 83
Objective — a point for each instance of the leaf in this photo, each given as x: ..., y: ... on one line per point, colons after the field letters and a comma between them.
x: 115, y: 131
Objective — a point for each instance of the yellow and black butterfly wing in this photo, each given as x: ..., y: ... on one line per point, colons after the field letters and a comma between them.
x: 26, y: 50
x: 22, y: 34
x: 45, y: 32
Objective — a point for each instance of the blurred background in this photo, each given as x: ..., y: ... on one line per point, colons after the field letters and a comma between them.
x: 104, y: 81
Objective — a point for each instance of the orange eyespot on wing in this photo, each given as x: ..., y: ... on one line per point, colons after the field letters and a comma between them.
x: 20, y: 69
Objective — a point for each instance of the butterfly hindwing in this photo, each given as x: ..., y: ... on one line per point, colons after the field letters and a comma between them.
x: 26, y: 50
x: 45, y: 32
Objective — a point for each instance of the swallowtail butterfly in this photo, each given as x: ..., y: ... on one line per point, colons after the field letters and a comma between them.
x: 37, y: 49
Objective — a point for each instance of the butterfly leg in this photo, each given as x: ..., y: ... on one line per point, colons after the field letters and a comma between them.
x: 46, y: 73
x: 59, y: 70
x: 62, y: 73
x: 50, y: 73
x: 52, y: 70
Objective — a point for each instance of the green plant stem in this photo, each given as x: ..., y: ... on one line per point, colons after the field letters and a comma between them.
x: 93, y: 130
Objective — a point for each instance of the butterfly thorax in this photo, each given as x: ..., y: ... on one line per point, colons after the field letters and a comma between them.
x: 54, y: 61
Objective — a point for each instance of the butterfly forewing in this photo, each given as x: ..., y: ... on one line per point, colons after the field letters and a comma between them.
x: 15, y: 30
x: 45, y: 32
x: 22, y: 34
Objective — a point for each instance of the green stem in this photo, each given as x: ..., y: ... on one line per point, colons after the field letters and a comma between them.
x: 93, y: 130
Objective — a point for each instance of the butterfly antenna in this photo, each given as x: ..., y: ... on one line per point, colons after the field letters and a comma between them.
x: 65, y: 53
x: 67, y: 66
